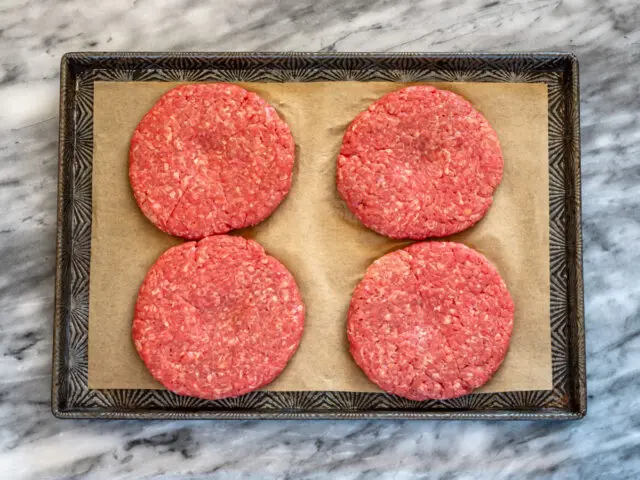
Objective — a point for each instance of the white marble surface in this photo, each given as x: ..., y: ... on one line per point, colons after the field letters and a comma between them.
x: 605, y: 35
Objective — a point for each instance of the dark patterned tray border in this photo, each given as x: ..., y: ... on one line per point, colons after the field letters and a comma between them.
x: 70, y: 396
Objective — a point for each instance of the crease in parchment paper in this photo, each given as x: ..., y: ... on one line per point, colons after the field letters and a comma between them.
x: 315, y: 235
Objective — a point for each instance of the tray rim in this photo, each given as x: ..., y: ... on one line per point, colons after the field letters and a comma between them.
x: 577, y: 354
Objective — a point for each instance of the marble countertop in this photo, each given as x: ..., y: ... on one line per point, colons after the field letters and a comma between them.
x: 606, y: 444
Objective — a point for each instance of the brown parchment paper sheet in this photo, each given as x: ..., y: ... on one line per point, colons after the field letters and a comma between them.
x: 316, y: 237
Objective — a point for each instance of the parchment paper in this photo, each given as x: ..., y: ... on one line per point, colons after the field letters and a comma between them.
x: 316, y: 237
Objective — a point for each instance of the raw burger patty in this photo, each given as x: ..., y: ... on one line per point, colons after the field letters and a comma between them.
x: 217, y: 318
x: 420, y: 162
x: 210, y: 158
x: 431, y: 321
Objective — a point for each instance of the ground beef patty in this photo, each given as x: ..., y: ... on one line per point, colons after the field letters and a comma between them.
x: 431, y: 321
x: 420, y: 162
x: 217, y: 318
x: 210, y: 158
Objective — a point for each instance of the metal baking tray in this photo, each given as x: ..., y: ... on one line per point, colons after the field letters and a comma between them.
x: 70, y: 396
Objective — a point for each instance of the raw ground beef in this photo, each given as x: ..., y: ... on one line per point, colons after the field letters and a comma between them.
x: 431, y: 321
x: 420, y: 162
x: 210, y: 158
x: 217, y: 318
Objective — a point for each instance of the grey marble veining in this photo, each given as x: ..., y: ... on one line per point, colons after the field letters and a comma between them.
x: 605, y: 35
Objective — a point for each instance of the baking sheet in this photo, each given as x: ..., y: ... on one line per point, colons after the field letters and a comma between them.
x: 315, y: 235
